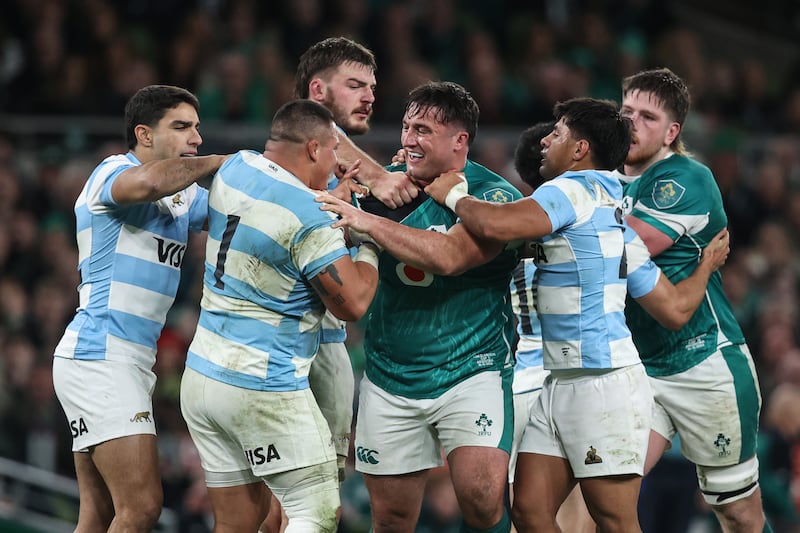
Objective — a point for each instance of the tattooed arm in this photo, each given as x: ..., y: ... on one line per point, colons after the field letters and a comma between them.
x: 347, y: 286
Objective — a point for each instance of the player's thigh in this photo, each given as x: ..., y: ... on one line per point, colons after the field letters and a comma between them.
x: 612, y: 499
x: 393, y: 435
x: 541, y: 484
x: 129, y: 466
x: 104, y: 400
x: 715, y: 407
x: 96, y: 505
x: 240, y: 507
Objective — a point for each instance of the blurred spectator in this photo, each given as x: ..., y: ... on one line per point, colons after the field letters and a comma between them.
x: 779, y: 457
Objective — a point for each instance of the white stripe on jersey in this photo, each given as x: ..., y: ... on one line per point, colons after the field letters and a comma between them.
x: 558, y: 300
x: 610, y: 242
x: 680, y: 224
x: 119, y: 349
x: 614, y: 297
x: 84, y: 238
x: 91, y: 192
x: 138, y: 301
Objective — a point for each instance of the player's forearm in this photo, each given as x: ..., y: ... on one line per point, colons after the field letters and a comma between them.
x: 359, y: 297
x: 156, y: 179
x: 430, y: 251
x: 347, y: 153
x: 522, y: 219
x: 692, y: 291
x: 678, y: 306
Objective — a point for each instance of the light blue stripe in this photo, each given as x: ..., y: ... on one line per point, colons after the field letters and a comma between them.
x: 152, y: 276
x: 330, y: 336
x: 134, y: 328
x: 261, y: 336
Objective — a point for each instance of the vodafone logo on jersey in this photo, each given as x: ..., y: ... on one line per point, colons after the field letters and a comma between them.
x: 413, y: 276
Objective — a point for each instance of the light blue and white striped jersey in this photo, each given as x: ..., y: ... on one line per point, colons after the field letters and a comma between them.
x: 581, y: 274
x: 260, y: 318
x: 529, y: 373
x: 129, y: 258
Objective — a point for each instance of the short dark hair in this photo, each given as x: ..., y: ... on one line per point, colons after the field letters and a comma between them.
x: 669, y: 88
x: 451, y: 102
x: 600, y: 123
x: 528, y: 153
x: 300, y: 121
x: 326, y: 54
x: 150, y: 104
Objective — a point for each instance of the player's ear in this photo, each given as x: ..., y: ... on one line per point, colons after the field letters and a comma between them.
x: 462, y: 139
x: 144, y: 135
x: 312, y: 148
x: 316, y: 90
x: 581, y: 149
x: 672, y: 133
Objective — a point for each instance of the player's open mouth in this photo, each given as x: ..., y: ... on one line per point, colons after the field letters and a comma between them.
x: 414, y: 156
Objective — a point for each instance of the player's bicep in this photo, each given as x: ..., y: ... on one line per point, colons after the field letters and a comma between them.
x: 656, y: 240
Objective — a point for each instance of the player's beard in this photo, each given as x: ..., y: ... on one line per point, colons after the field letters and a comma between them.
x: 640, y: 155
x: 344, y: 119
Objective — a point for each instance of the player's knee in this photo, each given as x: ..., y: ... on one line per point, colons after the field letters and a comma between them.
x: 527, y: 518
x: 723, y: 486
x: 142, y: 518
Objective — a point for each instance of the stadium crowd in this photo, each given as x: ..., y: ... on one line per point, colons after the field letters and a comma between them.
x: 87, y: 57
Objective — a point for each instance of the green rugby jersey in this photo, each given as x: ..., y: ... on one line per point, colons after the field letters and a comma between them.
x: 680, y: 197
x: 426, y: 333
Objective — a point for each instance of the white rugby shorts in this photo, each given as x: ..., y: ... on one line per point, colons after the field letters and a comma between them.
x: 243, y: 435
x: 104, y: 400
x: 599, y: 422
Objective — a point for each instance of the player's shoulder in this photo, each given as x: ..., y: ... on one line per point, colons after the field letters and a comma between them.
x: 243, y: 157
x: 488, y: 185
x: 680, y: 168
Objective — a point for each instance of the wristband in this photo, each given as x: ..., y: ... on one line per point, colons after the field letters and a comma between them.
x: 459, y: 191
x: 368, y: 253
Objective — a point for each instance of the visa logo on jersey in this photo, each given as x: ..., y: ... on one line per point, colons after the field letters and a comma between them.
x: 170, y: 253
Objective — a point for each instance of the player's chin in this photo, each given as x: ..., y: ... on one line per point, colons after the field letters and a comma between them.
x: 358, y: 127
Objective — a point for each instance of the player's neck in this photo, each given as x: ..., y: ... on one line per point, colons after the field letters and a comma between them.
x: 640, y: 168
